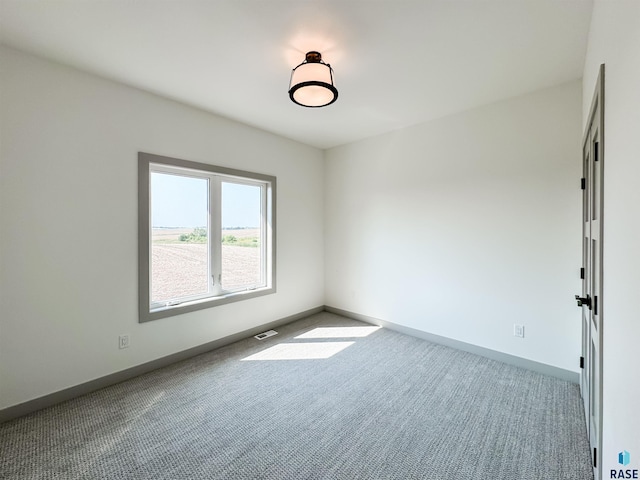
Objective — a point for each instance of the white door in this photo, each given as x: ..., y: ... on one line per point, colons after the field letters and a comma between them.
x: 591, y: 272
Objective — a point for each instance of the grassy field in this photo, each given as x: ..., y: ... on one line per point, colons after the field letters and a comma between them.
x: 172, y: 235
x: 168, y: 235
x: 245, y: 237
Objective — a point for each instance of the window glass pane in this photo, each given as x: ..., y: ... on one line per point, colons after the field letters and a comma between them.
x: 241, y: 236
x: 179, y: 244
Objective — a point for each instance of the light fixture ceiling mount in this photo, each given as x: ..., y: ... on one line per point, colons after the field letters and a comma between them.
x: 311, y: 83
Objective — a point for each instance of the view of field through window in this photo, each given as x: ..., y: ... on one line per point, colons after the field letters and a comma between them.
x: 241, y: 252
x: 180, y: 245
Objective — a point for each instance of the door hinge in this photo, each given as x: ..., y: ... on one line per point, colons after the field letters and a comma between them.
x: 581, y: 362
x: 595, y: 305
x: 583, y: 184
x: 595, y: 457
x: 582, y: 273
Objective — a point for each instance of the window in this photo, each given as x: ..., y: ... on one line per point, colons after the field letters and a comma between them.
x: 206, y: 235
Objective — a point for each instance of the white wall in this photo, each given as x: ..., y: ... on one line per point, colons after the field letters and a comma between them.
x: 614, y: 40
x: 68, y: 214
x: 463, y: 226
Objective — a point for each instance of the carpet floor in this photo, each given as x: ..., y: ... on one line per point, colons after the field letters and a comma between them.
x: 326, y: 398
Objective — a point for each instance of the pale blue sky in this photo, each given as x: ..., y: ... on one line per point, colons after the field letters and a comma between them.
x: 182, y: 202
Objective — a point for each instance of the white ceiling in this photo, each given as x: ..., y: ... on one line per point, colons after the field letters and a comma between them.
x: 396, y: 62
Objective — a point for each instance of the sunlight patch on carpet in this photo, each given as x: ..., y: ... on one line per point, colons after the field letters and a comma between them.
x: 339, y: 332
x: 300, y: 351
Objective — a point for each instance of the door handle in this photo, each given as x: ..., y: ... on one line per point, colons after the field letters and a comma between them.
x: 584, y: 301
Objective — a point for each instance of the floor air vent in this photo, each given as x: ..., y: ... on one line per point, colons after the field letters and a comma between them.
x: 267, y: 334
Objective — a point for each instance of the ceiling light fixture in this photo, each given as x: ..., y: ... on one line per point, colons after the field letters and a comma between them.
x: 311, y: 83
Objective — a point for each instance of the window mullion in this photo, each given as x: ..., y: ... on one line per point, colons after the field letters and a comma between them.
x: 215, y: 234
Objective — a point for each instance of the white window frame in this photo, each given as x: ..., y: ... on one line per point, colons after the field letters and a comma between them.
x: 148, y: 163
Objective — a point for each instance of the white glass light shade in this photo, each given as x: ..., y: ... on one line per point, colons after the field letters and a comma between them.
x: 312, y: 83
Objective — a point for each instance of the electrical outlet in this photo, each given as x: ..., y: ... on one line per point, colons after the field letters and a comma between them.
x: 123, y: 341
x: 518, y: 330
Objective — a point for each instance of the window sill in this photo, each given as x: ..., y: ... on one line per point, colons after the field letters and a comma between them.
x: 191, y: 306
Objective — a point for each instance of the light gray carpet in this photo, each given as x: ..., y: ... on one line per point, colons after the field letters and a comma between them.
x: 388, y: 406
